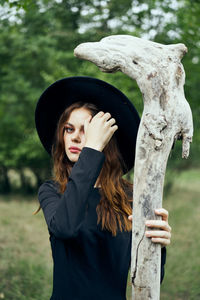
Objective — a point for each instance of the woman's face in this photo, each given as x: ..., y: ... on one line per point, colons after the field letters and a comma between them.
x: 74, y: 135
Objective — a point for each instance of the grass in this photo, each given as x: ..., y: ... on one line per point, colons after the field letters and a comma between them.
x: 183, y: 265
x: 25, y: 255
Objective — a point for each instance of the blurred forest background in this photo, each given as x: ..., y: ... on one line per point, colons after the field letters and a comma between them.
x: 37, y: 39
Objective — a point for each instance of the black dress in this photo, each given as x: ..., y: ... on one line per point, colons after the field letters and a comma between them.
x: 88, y: 263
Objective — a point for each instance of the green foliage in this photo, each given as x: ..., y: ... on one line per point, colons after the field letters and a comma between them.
x: 37, y: 49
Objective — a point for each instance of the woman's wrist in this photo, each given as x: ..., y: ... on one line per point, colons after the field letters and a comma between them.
x: 95, y: 147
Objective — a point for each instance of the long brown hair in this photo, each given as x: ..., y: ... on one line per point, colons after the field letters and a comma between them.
x: 116, y: 197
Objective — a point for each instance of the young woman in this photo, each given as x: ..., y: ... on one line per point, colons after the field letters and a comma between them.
x: 89, y: 127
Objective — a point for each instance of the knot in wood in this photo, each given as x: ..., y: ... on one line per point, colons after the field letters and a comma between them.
x: 155, y: 124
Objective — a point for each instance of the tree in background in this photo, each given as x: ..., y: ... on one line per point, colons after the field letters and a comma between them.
x: 37, y: 40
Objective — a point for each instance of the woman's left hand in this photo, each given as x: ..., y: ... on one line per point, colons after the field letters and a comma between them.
x: 163, y: 233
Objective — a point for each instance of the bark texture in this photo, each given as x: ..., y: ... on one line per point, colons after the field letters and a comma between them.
x: 166, y: 117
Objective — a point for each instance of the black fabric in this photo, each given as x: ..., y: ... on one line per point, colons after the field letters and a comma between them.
x: 88, y: 263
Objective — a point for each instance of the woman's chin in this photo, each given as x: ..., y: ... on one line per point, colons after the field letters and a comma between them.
x: 73, y: 157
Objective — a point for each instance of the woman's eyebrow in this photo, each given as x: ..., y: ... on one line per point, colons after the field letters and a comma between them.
x: 82, y: 126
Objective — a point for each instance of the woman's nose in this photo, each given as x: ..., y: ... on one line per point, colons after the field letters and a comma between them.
x: 76, y: 137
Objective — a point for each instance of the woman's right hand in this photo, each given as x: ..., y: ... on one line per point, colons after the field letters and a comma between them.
x: 99, y: 130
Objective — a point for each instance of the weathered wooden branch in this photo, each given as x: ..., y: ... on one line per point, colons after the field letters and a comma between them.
x: 166, y: 117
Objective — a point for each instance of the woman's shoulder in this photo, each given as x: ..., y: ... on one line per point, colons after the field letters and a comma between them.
x: 48, y: 185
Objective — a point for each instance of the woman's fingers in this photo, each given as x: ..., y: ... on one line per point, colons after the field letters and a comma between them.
x: 130, y: 217
x: 158, y: 224
x: 155, y: 224
x: 162, y: 212
x: 163, y: 242
x: 162, y: 224
x: 163, y: 233
x: 99, y: 114
x: 158, y: 234
x: 99, y: 130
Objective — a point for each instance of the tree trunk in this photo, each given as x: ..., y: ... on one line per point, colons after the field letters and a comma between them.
x: 5, y: 183
x: 166, y: 117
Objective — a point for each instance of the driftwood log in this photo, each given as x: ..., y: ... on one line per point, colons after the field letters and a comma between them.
x: 166, y: 117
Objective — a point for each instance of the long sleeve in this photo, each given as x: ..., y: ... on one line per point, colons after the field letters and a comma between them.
x: 163, y: 261
x: 64, y: 215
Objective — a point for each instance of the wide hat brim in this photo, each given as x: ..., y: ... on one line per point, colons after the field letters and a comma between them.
x: 64, y: 92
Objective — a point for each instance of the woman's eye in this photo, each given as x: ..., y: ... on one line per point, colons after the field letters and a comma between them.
x: 67, y: 129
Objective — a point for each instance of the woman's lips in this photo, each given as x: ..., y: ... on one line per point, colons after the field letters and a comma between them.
x: 74, y: 150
